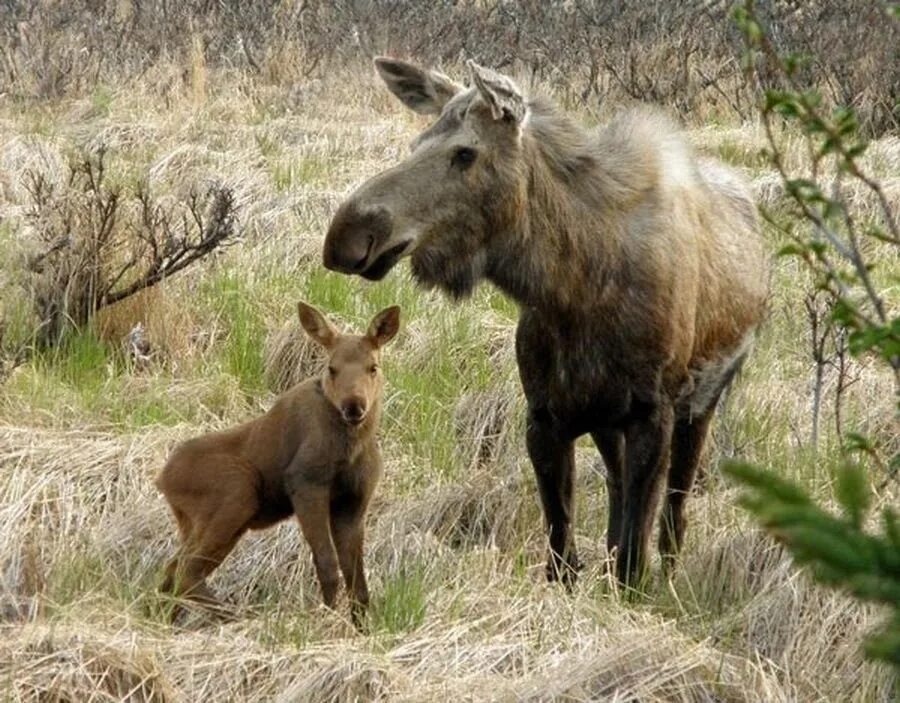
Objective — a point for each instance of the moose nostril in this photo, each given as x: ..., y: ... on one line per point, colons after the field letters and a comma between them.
x: 354, y: 410
x: 353, y: 236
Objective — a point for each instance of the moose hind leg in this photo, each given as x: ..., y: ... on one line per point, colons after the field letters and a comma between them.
x: 647, y: 441
x: 184, y: 530
x: 611, y: 443
x: 553, y: 458
x: 688, y: 439
x: 206, y: 550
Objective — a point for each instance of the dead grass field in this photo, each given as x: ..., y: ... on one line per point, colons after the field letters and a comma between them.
x: 456, y: 548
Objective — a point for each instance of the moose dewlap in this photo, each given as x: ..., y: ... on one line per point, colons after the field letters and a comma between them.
x: 314, y: 454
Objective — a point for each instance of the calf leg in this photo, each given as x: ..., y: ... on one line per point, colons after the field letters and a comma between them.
x: 204, y: 556
x: 348, y: 532
x: 553, y: 457
x: 647, y: 442
x: 184, y: 531
x: 206, y: 541
x: 210, y: 541
x: 611, y: 444
x: 688, y: 439
x: 312, y: 506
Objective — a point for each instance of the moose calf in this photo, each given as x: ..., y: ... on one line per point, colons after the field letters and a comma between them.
x: 314, y: 454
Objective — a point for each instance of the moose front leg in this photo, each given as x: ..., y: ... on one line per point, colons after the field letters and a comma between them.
x: 553, y: 457
x: 348, y: 530
x: 647, y: 442
x: 312, y: 506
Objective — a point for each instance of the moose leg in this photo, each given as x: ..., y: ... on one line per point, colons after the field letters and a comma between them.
x: 207, y: 545
x: 348, y: 531
x: 688, y: 439
x: 611, y: 443
x: 647, y: 442
x: 312, y: 506
x: 184, y: 530
x: 553, y: 458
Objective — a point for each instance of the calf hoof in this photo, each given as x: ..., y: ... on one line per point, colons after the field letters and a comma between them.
x: 358, y: 618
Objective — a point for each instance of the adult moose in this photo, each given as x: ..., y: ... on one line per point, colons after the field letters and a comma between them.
x: 637, y: 266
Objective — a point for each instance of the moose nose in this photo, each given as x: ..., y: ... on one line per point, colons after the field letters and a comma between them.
x: 353, y: 236
x: 354, y: 410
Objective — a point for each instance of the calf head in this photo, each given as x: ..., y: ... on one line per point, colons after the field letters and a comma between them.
x: 353, y: 381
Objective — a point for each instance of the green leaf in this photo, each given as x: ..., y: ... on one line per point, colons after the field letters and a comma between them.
x: 891, y: 526
x: 833, y: 209
x: 811, y: 544
x: 845, y: 120
x: 884, y: 339
x: 857, y: 149
x: 852, y: 492
x: 766, y: 482
x: 793, y: 249
x: 804, y: 189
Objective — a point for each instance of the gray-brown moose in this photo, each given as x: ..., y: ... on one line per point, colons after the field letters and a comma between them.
x: 638, y: 267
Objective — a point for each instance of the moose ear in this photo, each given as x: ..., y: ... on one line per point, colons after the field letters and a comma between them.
x: 316, y: 325
x: 500, y: 93
x: 384, y: 326
x: 425, y: 92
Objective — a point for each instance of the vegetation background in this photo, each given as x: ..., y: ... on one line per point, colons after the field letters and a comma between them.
x: 134, y: 135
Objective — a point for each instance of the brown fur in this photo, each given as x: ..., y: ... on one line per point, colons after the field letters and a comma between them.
x: 314, y: 455
x: 638, y: 268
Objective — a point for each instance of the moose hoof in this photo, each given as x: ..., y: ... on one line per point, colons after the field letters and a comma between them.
x: 564, y: 570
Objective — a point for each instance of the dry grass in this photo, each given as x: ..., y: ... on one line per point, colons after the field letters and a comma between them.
x: 456, y: 545
x: 291, y: 356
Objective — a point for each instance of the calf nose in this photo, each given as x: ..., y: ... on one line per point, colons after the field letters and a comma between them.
x: 354, y: 410
x: 353, y: 236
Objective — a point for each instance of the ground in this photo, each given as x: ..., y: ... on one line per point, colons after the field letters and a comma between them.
x: 455, y: 549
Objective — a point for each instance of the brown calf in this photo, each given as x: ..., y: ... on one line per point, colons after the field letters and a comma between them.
x: 638, y: 267
x: 314, y: 454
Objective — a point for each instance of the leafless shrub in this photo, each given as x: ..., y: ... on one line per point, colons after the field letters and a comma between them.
x: 683, y: 55
x: 97, y: 245
x: 9, y: 358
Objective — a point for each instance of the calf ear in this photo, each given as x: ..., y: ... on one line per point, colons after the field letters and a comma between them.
x: 316, y: 325
x: 425, y: 92
x: 500, y: 93
x: 384, y: 326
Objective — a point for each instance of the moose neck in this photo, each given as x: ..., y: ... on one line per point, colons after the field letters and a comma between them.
x: 563, y: 247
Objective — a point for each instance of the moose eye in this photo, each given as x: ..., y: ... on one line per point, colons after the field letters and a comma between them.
x: 332, y: 371
x: 373, y: 369
x: 464, y: 157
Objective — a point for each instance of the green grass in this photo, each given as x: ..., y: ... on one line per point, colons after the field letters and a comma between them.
x: 234, y: 301
x: 288, y: 173
x: 101, y: 100
x: 747, y: 155
x: 402, y: 603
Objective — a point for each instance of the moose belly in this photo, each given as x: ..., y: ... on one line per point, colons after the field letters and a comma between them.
x: 274, y: 506
x: 708, y: 379
x: 583, y: 401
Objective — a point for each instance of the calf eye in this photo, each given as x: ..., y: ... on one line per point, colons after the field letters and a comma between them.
x: 464, y: 157
x: 332, y: 371
x: 373, y: 369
